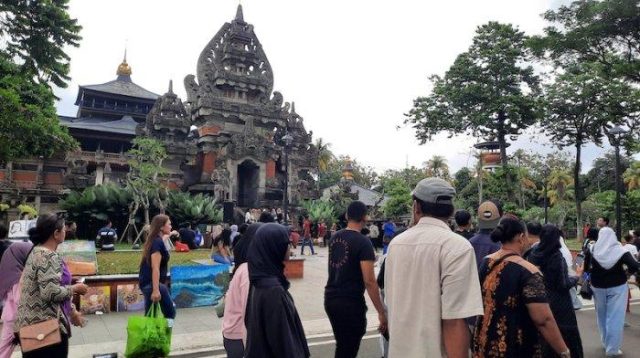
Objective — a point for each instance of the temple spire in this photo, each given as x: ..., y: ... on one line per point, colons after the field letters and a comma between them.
x: 239, y: 15
x: 124, y: 70
x: 170, y: 87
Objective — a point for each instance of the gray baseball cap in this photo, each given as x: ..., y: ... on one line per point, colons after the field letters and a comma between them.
x: 434, y: 190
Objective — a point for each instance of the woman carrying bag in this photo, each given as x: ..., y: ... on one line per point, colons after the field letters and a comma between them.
x: 45, y: 313
x: 604, y: 261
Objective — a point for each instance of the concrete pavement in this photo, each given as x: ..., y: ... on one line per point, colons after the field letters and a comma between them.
x: 197, y: 331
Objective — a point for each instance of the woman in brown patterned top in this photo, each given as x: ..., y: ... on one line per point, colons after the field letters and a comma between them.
x: 516, y: 312
x: 42, y: 295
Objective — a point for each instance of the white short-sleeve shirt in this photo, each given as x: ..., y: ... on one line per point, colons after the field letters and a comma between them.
x: 430, y: 275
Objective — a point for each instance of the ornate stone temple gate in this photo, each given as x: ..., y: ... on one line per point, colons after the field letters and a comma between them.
x: 240, y: 123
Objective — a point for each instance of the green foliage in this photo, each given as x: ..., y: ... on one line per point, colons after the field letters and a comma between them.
x: 35, y: 33
x: 93, y: 206
x: 487, y: 92
x: 603, y: 31
x: 399, y: 202
x: 319, y: 210
x: 601, y: 176
x: 462, y: 178
x: 4, y: 207
x: 437, y: 167
x: 28, y: 122
x: 145, y: 172
x: 26, y: 209
x: 410, y: 176
x: 194, y: 209
x: 363, y: 175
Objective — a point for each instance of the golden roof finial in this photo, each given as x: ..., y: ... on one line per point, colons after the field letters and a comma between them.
x: 124, y: 69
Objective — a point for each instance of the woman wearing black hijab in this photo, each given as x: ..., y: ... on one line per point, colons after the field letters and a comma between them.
x: 273, y: 326
x: 547, y: 256
x: 234, y: 332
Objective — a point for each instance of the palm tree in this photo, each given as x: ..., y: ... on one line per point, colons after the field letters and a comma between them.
x: 525, y: 182
x: 437, y: 167
x: 325, y: 156
x: 632, y: 176
x: 560, y: 182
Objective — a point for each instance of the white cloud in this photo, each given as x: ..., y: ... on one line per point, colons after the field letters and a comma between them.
x: 352, y: 67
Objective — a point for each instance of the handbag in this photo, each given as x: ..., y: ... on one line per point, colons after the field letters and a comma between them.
x: 40, y: 335
x: 585, y: 290
x: 220, y: 307
x: 148, y: 335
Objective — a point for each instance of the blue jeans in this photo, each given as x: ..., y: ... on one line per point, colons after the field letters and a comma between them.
x: 306, y: 241
x: 221, y: 259
x: 166, y: 303
x: 611, y: 304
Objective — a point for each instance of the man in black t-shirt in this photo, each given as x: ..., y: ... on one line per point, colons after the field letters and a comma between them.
x: 351, y: 259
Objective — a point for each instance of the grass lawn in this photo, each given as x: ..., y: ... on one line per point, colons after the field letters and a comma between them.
x: 573, y: 244
x: 110, y: 263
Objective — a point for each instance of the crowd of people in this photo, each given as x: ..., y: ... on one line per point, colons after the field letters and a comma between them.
x: 508, y: 289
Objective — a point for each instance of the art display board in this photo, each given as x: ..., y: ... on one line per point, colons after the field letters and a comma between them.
x: 97, y: 299
x: 80, y: 257
x: 129, y: 298
x: 201, y: 285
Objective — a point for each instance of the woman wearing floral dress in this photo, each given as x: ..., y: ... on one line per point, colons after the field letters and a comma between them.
x: 516, y: 312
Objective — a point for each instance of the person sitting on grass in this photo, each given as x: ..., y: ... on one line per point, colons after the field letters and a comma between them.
x: 220, y: 250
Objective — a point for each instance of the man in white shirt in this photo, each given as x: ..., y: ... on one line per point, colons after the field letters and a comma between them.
x: 431, y: 280
x: 629, y: 246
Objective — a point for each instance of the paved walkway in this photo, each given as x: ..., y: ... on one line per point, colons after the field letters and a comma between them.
x: 198, y: 330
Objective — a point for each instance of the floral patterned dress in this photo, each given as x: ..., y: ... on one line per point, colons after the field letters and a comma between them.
x: 506, y: 329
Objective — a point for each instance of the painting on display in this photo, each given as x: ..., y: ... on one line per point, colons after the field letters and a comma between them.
x: 196, y: 286
x: 130, y: 298
x: 80, y: 257
x: 97, y: 299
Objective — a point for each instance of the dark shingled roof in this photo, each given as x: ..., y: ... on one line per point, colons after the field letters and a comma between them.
x: 125, y: 125
x: 122, y: 86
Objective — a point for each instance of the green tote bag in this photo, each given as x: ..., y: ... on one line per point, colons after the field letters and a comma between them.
x: 148, y: 335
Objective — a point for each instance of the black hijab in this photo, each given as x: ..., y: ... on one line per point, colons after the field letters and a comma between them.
x: 549, y: 245
x: 266, y: 255
x: 241, y: 247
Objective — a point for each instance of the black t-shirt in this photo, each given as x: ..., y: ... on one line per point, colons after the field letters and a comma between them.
x: 145, y: 268
x: 346, y: 249
x: 188, y: 237
x: 466, y: 234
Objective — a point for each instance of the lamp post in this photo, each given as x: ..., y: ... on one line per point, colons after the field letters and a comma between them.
x: 545, y: 172
x: 287, y: 139
x: 616, y: 138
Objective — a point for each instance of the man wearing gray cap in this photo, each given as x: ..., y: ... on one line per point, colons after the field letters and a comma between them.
x: 431, y: 280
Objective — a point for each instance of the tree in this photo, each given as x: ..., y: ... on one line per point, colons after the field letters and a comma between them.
x: 319, y: 210
x: 603, y: 31
x: 462, y: 178
x: 632, y: 176
x: 560, y: 183
x: 35, y: 33
x: 580, y: 104
x: 28, y: 122
x: 363, y: 175
x: 399, y: 202
x: 487, y: 92
x: 410, y: 176
x: 601, y: 177
x: 437, y: 167
x: 325, y: 156
x: 145, y: 170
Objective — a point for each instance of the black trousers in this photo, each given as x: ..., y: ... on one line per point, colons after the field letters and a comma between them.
x: 349, y: 323
x: 60, y: 350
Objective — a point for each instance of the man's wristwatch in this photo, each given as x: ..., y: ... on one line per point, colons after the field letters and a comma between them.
x: 565, y: 354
